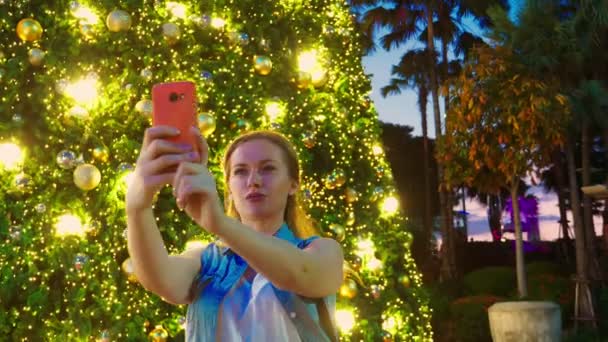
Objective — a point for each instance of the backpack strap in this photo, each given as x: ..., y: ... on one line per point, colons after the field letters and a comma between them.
x: 325, y: 321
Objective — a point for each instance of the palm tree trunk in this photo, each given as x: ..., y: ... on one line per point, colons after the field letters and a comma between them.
x: 448, y: 257
x: 428, y: 224
x: 522, y: 288
x: 558, y: 172
x: 449, y: 193
x: 590, y: 238
x: 444, y: 64
x: 494, y: 214
x: 605, y: 213
x: 575, y: 205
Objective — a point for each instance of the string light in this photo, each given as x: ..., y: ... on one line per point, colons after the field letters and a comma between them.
x: 345, y: 320
x: 83, y: 91
x: 274, y: 110
x: 86, y: 15
x: 218, y: 23
x: 308, y: 61
x: 390, y: 206
x: 11, y: 156
x: 69, y: 224
x: 177, y: 10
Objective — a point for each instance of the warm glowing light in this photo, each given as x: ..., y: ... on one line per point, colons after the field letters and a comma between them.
x: 11, y: 156
x: 390, y: 324
x: 195, y: 244
x: 86, y: 15
x: 218, y: 23
x: 69, y: 225
x: 377, y: 150
x: 318, y: 76
x: 390, y: 205
x: 345, y: 319
x: 365, y: 248
x: 373, y: 264
x: 274, y: 110
x: 308, y: 61
x: 178, y: 10
x: 79, y: 112
x: 83, y: 91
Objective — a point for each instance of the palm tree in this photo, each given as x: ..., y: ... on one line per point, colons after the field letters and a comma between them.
x: 413, y: 72
x: 406, y: 20
x: 567, y: 39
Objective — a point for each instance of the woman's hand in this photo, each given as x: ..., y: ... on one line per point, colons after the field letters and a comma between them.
x: 156, y: 166
x: 195, y: 189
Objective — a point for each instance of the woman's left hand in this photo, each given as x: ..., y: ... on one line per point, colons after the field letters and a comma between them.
x: 195, y: 189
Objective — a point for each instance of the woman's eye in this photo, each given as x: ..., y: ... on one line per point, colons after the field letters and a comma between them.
x: 239, y: 171
x: 268, y: 168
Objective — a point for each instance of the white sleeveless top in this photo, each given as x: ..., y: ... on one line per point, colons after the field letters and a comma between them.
x: 252, y: 312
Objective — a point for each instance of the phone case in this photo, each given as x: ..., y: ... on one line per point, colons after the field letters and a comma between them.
x: 174, y: 104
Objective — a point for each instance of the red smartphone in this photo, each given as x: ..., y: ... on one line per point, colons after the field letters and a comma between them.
x: 174, y: 104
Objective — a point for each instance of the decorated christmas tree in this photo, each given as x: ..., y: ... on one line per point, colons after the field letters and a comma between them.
x: 75, y: 82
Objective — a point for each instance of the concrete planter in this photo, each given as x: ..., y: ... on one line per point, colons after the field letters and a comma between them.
x: 525, y: 322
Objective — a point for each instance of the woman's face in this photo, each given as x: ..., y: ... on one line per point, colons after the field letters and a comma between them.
x: 259, y: 180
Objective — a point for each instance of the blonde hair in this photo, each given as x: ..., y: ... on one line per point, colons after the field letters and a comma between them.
x: 295, y: 216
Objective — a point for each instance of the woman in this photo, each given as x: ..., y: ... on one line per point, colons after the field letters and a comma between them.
x: 265, y: 279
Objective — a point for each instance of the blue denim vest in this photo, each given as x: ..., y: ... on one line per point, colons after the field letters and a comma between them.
x: 221, y: 269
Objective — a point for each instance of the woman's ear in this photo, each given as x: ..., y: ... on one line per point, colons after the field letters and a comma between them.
x: 294, y: 188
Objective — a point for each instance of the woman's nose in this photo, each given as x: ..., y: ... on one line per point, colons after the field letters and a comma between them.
x: 254, y: 179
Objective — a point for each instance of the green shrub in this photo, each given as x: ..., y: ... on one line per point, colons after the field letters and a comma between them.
x: 544, y: 267
x: 497, y: 281
x: 442, y: 295
x: 470, y: 318
x: 554, y: 288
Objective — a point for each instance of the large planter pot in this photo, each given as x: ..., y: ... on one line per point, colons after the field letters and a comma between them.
x: 525, y: 322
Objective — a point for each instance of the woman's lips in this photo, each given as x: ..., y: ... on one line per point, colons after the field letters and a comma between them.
x: 255, y: 197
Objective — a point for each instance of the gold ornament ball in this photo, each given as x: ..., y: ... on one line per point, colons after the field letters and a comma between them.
x: 309, y: 139
x: 87, y: 30
x: 127, y: 267
x: 241, y: 125
x: 340, y: 177
x: 319, y: 79
x: 377, y: 193
x: 330, y: 181
x: 304, y: 80
x: 144, y: 107
x: 118, y: 20
x: 379, y: 171
x: 349, y: 289
x: 29, y: 30
x: 159, y: 334
x: 171, y: 32
x: 146, y: 74
x: 262, y: 65
x: 351, y: 195
x: 206, y: 123
x: 387, y: 336
x: 101, y: 153
x: 2, y: 57
x: 375, y: 291
x: 104, y: 336
x: 36, y: 57
x: 404, y: 280
x: 350, y: 220
x: 23, y: 182
x: 357, y: 262
x: 87, y: 177
x: 338, y: 232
